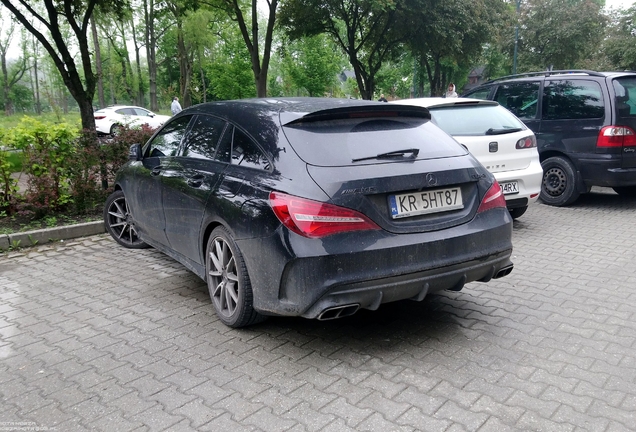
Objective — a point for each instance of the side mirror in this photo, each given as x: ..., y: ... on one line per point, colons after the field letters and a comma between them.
x: 134, y: 153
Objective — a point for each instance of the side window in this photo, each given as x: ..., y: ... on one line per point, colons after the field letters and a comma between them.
x: 564, y: 99
x: 167, y: 141
x: 246, y: 153
x: 625, y: 91
x: 203, y: 137
x: 520, y: 98
x: 479, y: 94
x: 224, y: 152
x: 141, y: 112
x: 125, y: 111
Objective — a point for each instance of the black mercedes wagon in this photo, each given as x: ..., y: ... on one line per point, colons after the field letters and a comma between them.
x: 312, y: 207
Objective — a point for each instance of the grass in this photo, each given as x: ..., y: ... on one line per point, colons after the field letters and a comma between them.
x: 8, y: 122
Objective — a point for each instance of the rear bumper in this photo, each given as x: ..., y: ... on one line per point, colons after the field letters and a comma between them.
x: 605, y: 170
x: 370, y: 294
x: 295, y: 276
x: 529, y: 181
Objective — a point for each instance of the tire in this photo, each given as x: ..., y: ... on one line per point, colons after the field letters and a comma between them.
x: 558, y: 187
x: 517, y: 212
x: 115, y: 129
x: 119, y: 222
x: 228, y: 282
x: 626, y: 191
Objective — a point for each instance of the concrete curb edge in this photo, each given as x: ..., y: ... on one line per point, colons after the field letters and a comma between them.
x: 47, y: 235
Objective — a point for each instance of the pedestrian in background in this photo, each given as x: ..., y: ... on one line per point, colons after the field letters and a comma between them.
x: 382, y: 98
x: 176, y: 106
x: 451, y: 91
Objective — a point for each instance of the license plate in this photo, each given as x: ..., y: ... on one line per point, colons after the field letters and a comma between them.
x: 419, y: 203
x: 509, y: 188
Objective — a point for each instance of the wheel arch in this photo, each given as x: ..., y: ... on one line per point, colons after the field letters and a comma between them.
x: 207, y: 232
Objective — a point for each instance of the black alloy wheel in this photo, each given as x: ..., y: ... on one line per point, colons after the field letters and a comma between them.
x: 119, y: 222
x: 228, y: 281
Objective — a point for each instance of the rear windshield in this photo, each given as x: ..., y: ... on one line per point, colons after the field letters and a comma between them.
x: 339, y: 142
x: 474, y: 120
x: 625, y: 89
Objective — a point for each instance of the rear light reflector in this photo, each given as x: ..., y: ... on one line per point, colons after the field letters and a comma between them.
x: 494, y: 198
x: 315, y: 219
x: 100, y: 117
x: 527, y: 142
x: 616, y: 136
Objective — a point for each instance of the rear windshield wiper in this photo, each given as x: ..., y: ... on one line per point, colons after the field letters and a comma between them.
x: 492, y: 131
x: 397, y: 154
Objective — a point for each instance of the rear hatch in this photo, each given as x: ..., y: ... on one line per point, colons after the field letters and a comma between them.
x: 489, y: 132
x: 391, y: 164
x: 625, y: 114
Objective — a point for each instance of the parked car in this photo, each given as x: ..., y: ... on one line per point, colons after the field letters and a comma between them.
x: 584, y: 122
x: 499, y: 140
x: 108, y: 120
x: 312, y: 207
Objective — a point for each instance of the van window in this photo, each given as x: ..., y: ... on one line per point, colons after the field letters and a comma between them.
x: 564, y: 99
x: 521, y: 98
x: 479, y: 94
x: 625, y: 90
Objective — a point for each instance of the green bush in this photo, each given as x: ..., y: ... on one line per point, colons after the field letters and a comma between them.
x: 68, y: 170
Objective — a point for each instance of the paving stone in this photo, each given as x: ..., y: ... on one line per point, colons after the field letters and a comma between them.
x: 97, y: 337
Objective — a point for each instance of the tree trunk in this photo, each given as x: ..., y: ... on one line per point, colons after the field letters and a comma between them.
x: 140, y: 83
x: 8, y: 106
x: 185, y: 67
x: 98, y: 66
x: 151, y: 52
x: 38, y: 104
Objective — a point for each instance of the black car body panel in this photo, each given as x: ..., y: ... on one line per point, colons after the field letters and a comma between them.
x: 215, y: 165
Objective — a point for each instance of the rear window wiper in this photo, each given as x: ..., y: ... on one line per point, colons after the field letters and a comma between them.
x: 492, y: 131
x: 397, y: 154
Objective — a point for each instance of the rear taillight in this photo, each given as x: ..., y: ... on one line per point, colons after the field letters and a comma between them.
x: 100, y: 117
x: 494, y: 198
x: 316, y: 219
x: 527, y: 142
x: 616, y: 136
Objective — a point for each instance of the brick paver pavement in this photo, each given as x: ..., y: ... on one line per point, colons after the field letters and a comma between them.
x: 94, y: 336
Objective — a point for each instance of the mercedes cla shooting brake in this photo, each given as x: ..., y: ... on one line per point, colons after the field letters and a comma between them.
x: 312, y: 207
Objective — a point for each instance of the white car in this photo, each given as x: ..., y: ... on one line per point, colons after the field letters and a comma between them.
x: 108, y: 119
x: 498, y: 139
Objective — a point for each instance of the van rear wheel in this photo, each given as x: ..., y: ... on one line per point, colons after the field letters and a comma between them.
x: 558, y: 187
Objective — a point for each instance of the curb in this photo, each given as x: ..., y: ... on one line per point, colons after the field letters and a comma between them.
x: 47, y: 235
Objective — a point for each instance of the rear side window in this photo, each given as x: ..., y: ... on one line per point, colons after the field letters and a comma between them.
x: 520, y: 98
x: 340, y: 142
x: 625, y: 90
x: 565, y: 99
x: 203, y: 137
x: 238, y: 149
x: 474, y: 120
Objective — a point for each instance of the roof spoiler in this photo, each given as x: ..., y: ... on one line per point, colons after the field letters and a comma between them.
x: 363, y: 111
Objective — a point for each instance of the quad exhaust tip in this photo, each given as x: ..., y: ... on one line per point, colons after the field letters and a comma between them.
x: 338, y: 312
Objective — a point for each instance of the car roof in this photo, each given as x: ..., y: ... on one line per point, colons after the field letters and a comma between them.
x: 574, y: 73
x: 262, y: 117
x: 439, y: 102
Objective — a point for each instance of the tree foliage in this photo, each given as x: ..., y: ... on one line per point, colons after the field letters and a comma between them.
x: 369, y: 32
x: 559, y: 33
x: 620, y: 43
